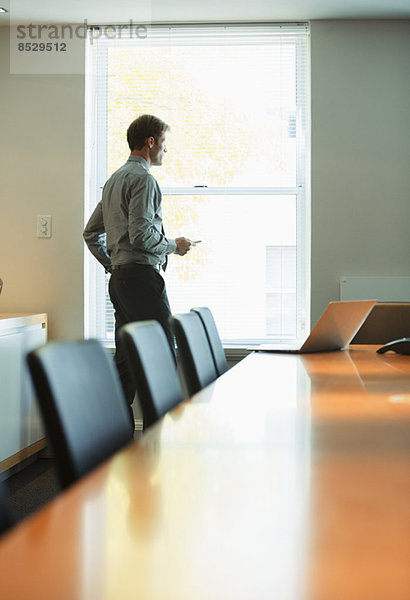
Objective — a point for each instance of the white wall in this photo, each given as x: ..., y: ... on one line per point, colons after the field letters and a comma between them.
x: 360, y: 153
x: 42, y: 172
x: 360, y: 171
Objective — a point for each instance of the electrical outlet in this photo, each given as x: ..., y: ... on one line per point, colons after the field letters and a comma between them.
x: 43, y: 226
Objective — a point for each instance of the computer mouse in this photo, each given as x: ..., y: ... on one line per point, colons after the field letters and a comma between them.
x: 401, y: 346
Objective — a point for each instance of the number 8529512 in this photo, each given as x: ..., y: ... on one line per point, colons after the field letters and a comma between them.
x: 42, y: 47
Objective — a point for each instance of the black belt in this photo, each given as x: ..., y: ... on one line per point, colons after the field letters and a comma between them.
x: 136, y: 266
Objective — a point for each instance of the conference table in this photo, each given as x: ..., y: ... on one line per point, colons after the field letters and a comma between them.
x: 287, y: 478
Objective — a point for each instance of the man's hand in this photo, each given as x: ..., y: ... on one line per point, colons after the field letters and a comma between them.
x: 183, y: 246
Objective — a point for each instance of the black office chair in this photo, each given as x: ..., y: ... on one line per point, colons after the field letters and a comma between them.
x: 195, y: 353
x: 214, y: 340
x: 82, y: 404
x: 153, y: 369
x: 6, y: 520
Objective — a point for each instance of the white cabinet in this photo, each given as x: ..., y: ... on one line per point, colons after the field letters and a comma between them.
x: 21, y: 431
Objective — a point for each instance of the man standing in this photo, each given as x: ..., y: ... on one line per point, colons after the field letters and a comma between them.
x: 126, y: 236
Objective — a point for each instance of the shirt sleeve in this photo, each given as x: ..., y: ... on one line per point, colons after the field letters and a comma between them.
x: 144, y: 206
x: 95, y: 238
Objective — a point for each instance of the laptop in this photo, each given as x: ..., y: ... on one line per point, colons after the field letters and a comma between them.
x: 335, y: 329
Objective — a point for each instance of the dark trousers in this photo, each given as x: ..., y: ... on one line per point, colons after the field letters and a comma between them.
x: 137, y: 293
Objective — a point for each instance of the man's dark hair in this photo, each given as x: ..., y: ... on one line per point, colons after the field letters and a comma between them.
x: 144, y: 127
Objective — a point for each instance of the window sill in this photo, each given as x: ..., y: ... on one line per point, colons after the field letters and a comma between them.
x: 233, y: 353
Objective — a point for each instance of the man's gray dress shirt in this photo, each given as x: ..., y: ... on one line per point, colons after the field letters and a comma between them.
x: 126, y: 225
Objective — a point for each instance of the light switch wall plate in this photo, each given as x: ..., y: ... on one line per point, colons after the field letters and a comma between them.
x: 44, y: 226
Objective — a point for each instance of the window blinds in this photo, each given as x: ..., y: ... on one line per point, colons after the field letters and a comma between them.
x: 236, y: 97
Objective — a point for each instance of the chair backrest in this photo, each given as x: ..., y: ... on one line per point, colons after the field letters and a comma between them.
x: 6, y: 520
x: 82, y: 404
x: 152, y: 367
x: 214, y: 340
x: 198, y: 366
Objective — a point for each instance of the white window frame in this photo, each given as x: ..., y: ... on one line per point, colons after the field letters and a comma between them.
x: 95, y: 176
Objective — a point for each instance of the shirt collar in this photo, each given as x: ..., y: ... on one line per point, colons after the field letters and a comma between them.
x: 138, y: 159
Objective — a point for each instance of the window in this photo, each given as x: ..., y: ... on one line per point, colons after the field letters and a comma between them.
x: 281, y: 291
x: 235, y: 175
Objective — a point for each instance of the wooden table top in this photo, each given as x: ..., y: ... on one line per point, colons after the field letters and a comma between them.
x: 288, y: 478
